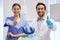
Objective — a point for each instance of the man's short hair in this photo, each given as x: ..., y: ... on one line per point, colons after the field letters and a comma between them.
x: 41, y: 4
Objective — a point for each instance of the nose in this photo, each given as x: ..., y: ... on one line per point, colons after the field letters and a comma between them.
x: 16, y: 10
x: 40, y: 10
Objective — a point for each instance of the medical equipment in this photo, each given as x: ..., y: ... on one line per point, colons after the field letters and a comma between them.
x: 27, y: 38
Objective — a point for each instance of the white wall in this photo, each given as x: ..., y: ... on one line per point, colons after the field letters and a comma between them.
x: 1, y: 19
x: 55, y: 12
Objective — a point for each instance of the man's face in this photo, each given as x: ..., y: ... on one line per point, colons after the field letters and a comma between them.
x: 40, y: 10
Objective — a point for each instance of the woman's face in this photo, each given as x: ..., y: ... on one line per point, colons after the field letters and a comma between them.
x: 16, y: 10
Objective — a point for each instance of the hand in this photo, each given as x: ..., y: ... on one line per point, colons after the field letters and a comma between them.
x: 8, y: 23
x: 16, y: 20
x: 49, y: 23
x: 10, y: 34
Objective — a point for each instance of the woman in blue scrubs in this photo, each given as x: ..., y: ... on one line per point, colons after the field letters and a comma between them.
x: 15, y: 23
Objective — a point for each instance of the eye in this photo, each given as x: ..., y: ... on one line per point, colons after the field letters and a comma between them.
x: 14, y: 8
x: 41, y: 8
x: 18, y: 8
x: 38, y: 8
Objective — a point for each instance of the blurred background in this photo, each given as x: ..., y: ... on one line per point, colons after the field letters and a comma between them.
x: 54, y: 14
x: 1, y: 19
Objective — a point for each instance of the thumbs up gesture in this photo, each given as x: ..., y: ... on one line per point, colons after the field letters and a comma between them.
x: 49, y: 23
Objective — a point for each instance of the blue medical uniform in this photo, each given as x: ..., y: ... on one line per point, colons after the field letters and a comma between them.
x: 16, y: 29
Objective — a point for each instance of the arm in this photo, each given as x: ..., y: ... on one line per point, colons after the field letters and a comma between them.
x: 17, y: 35
x: 54, y: 26
x: 5, y: 22
x: 51, y: 24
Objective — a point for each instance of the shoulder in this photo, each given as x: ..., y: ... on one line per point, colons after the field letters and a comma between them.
x: 9, y: 18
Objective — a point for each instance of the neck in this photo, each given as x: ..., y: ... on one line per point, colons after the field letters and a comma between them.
x: 16, y: 16
x: 40, y: 17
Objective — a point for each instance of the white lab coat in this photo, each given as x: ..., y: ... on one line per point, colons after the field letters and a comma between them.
x: 44, y: 31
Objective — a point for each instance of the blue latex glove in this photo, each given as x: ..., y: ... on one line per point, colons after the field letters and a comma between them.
x: 28, y: 30
x: 49, y: 23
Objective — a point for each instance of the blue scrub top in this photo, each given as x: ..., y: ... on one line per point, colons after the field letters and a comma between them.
x: 16, y: 29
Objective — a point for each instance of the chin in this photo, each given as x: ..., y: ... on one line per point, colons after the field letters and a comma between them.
x: 41, y: 15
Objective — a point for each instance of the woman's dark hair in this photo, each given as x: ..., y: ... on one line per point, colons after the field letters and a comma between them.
x: 41, y: 4
x: 17, y: 5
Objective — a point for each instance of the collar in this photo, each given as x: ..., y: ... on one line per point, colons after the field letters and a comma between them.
x: 44, y: 18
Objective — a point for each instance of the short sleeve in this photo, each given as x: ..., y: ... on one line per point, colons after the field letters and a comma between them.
x: 8, y: 19
x: 5, y: 21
